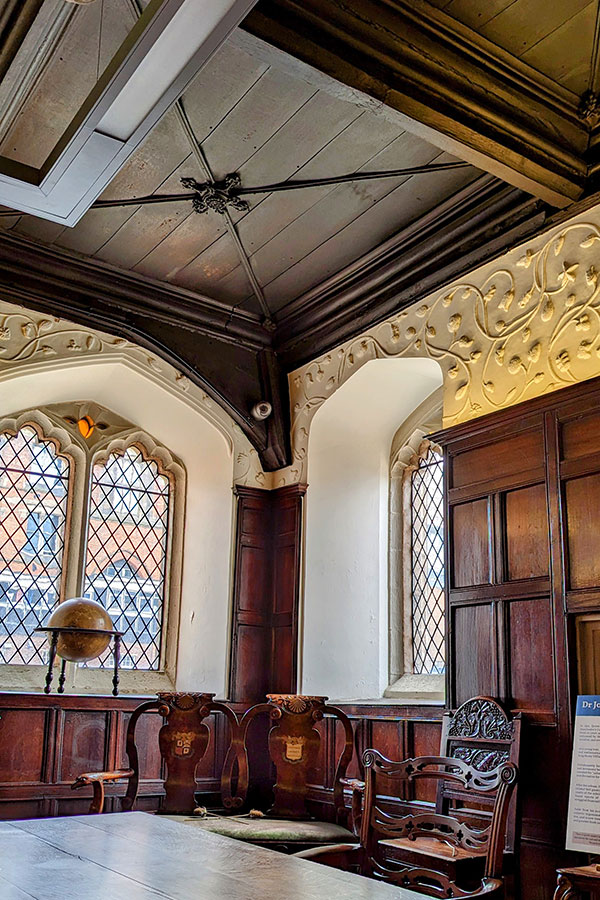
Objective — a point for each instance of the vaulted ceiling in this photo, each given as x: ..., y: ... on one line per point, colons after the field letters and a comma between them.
x: 304, y: 90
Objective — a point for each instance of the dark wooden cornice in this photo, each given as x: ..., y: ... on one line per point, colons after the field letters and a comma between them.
x: 100, y: 289
x: 480, y: 222
x: 227, y: 353
x: 467, y: 95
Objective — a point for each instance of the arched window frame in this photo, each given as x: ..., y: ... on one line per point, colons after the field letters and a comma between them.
x: 49, y: 427
x: 410, y: 446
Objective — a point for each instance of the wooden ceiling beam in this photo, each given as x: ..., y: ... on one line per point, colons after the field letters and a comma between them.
x: 455, y: 88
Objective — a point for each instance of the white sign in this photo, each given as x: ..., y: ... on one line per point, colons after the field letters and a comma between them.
x: 583, y: 823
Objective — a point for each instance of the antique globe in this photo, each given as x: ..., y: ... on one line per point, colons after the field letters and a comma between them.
x: 81, y: 613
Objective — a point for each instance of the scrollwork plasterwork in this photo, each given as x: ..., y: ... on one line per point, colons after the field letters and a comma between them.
x: 517, y: 328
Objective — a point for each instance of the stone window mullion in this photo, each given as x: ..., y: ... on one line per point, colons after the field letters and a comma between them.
x: 77, y: 529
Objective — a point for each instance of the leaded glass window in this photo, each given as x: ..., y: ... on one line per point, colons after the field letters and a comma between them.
x: 427, y: 565
x: 127, y: 552
x: 34, y: 480
x: 117, y: 506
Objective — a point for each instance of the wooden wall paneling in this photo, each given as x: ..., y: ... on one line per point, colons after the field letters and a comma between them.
x: 471, y: 543
x: 266, y: 593
x: 527, y: 533
x: 424, y: 740
x: 531, y: 665
x: 546, y: 515
x: 507, y: 456
x: 582, y: 501
x: 22, y: 759
x: 472, y: 651
x: 251, y: 613
x: 399, y: 732
x: 579, y: 434
x: 46, y: 741
x: 85, y: 739
x: 287, y: 550
x: 388, y: 737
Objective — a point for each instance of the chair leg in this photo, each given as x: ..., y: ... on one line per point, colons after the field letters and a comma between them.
x: 97, y: 804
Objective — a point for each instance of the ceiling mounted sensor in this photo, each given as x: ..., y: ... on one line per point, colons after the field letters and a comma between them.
x: 164, y: 50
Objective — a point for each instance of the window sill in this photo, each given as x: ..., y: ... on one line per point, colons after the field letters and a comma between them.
x: 414, y: 690
x: 98, y: 682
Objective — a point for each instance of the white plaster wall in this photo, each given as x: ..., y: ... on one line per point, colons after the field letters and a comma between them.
x: 206, y: 455
x: 345, y: 612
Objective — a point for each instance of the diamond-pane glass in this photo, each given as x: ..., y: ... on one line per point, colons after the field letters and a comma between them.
x: 127, y: 553
x: 34, y: 483
x: 427, y: 566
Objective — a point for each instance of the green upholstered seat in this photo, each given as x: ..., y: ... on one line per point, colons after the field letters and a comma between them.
x: 258, y: 831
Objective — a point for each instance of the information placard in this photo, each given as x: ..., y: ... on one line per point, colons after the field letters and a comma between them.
x: 583, y: 823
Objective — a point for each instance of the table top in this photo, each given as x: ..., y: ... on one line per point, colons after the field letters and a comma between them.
x: 138, y: 856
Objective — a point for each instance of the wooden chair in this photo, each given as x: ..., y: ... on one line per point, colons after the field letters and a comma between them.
x: 381, y: 827
x: 483, y: 735
x: 183, y: 741
x: 293, y: 745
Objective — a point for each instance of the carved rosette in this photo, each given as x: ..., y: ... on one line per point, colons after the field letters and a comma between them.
x: 297, y: 704
x: 184, y: 701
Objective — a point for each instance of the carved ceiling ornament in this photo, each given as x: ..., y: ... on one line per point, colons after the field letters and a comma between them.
x: 31, y: 342
x: 521, y: 326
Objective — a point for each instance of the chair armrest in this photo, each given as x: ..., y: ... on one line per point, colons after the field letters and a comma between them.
x: 358, y: 790
x: 490, y: 887
x: 91, y: 777
x: 98, y: 780
x: 347, y: 857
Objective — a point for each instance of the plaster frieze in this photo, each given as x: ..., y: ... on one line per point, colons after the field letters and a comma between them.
x: 518, y: 327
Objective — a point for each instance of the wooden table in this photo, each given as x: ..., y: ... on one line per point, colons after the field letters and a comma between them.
x: 137, y: 856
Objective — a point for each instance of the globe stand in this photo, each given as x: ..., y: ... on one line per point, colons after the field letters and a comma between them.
x: 55, y: 633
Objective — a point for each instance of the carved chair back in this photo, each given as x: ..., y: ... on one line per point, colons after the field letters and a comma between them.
x: 183, y: 740
x: 293, y: 745
x: 378, y: 824
x: 481, y: 734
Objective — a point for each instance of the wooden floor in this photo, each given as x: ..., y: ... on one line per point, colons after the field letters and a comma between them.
x: 137, y: 856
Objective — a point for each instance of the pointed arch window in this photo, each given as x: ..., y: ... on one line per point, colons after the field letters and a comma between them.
x: 102, y: 521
